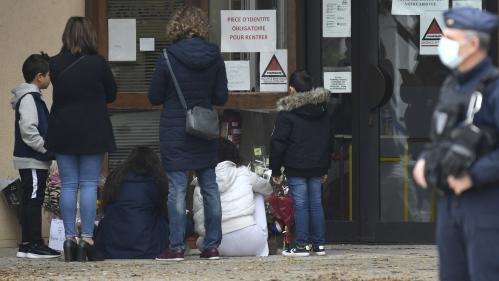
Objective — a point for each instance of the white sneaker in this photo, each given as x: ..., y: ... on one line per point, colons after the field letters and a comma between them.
x: 23, y: 250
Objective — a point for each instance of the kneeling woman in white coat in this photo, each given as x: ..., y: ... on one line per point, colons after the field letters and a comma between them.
x: 244, y: 224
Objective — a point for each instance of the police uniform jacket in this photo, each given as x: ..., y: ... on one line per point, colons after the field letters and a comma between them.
x: 485, y: 170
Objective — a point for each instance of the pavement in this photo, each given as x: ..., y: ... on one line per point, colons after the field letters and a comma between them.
x: 342, y: 263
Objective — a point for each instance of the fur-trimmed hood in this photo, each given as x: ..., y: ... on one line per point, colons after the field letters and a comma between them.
x: 311, y: 104
x: 316, y: 96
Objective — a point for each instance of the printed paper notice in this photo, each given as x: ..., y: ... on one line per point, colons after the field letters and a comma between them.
x: 238, y: 75
x: 147, y: 44
x: 418, y: 7
x: 122, y: 40
x: 336, y: 18
x: 248, y: 30
x: 274, y: 71
x: 57, y: 237
x: 467, y: 3
x: 430, y: 29
x: 338, y: 82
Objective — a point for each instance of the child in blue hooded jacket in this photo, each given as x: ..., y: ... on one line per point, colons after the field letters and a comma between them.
x: 31, y: 157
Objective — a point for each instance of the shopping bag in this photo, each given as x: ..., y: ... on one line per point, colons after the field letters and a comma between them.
x: 56, y: 238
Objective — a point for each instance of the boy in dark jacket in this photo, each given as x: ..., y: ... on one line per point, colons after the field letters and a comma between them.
x: 302, y: 143
x: 30, y: 156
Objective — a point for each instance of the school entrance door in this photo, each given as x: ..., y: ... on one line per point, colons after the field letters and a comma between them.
x: 383, y: 123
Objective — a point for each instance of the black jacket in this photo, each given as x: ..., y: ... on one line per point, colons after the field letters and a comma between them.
x: 200, y: 72
x: 79, y: 121
x: 302, y: 139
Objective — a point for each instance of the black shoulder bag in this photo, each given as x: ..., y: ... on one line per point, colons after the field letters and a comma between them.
x: 199, y: 122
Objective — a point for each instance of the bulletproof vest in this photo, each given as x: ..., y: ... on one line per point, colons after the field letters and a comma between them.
x: 453, y: 109
x: 456, y: 141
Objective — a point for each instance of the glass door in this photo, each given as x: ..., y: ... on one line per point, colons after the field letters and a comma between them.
x: 328, y: 45
x: 407, y: 57
x: 404, y: 117
x: 382, y: 124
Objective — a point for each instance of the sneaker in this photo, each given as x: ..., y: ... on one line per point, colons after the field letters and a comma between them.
x: 297, y: 251
x: 171, y: 255
x: 210, y: 254
x: 41, y: 251
x: 319, y: 250
x: 23, y: 250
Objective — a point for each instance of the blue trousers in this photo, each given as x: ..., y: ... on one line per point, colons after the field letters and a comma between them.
x: 468, y: 235
x: 309, y: 214
x: 212, y: 207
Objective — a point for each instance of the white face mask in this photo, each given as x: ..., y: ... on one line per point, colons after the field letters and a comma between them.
x: 448, y: 52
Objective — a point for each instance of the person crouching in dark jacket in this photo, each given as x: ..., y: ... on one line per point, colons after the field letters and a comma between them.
x: 135, y: 224
x: 302, y: 143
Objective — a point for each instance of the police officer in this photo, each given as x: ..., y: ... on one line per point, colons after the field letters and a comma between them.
x: 468, y: 211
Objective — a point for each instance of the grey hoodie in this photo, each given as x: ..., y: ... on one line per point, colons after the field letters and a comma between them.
x: 28, y: 125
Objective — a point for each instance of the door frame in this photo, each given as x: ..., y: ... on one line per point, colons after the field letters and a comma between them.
x: 372, y: 229
x: 366, y: 225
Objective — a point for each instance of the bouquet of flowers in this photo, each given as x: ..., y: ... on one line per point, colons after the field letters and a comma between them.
x: 279, y: 207
x: 53, y: 192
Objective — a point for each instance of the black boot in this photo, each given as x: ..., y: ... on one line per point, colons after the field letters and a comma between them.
x: 88, y: 252
x: 70, y: 249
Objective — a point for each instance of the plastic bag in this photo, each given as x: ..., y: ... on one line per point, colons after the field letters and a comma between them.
x: 13, y: 194
x: 282, y: 209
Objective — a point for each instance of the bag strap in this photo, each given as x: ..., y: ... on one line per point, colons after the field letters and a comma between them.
x: 70, y: 66
x: 175, y: 82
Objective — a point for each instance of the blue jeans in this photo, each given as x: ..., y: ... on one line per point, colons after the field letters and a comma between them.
x: 212, y: 208
x: 83, y: 171
x: 309, y: 214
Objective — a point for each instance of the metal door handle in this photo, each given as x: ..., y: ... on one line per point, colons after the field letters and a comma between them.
x: 379, y: 93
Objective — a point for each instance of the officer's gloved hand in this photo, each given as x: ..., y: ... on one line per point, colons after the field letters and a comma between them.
x: 433, y: 156
x: 457, y: 159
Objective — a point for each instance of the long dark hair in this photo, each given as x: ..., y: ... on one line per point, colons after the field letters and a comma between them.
x: 79, y: 37
x: 228, y: 151
x: 142, y: 161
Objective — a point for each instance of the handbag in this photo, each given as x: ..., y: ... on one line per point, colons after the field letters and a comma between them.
x: 199, y: 122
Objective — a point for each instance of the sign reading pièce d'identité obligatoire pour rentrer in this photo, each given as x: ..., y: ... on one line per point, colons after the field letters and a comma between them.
x: 248, y: 30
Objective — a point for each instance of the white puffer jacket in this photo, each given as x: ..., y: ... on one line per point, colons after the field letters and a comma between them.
x: 236, y: 185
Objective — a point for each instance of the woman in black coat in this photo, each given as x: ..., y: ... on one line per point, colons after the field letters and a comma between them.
x: 200, y: 71
x: 79, y: 130
x: 135, y: 224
